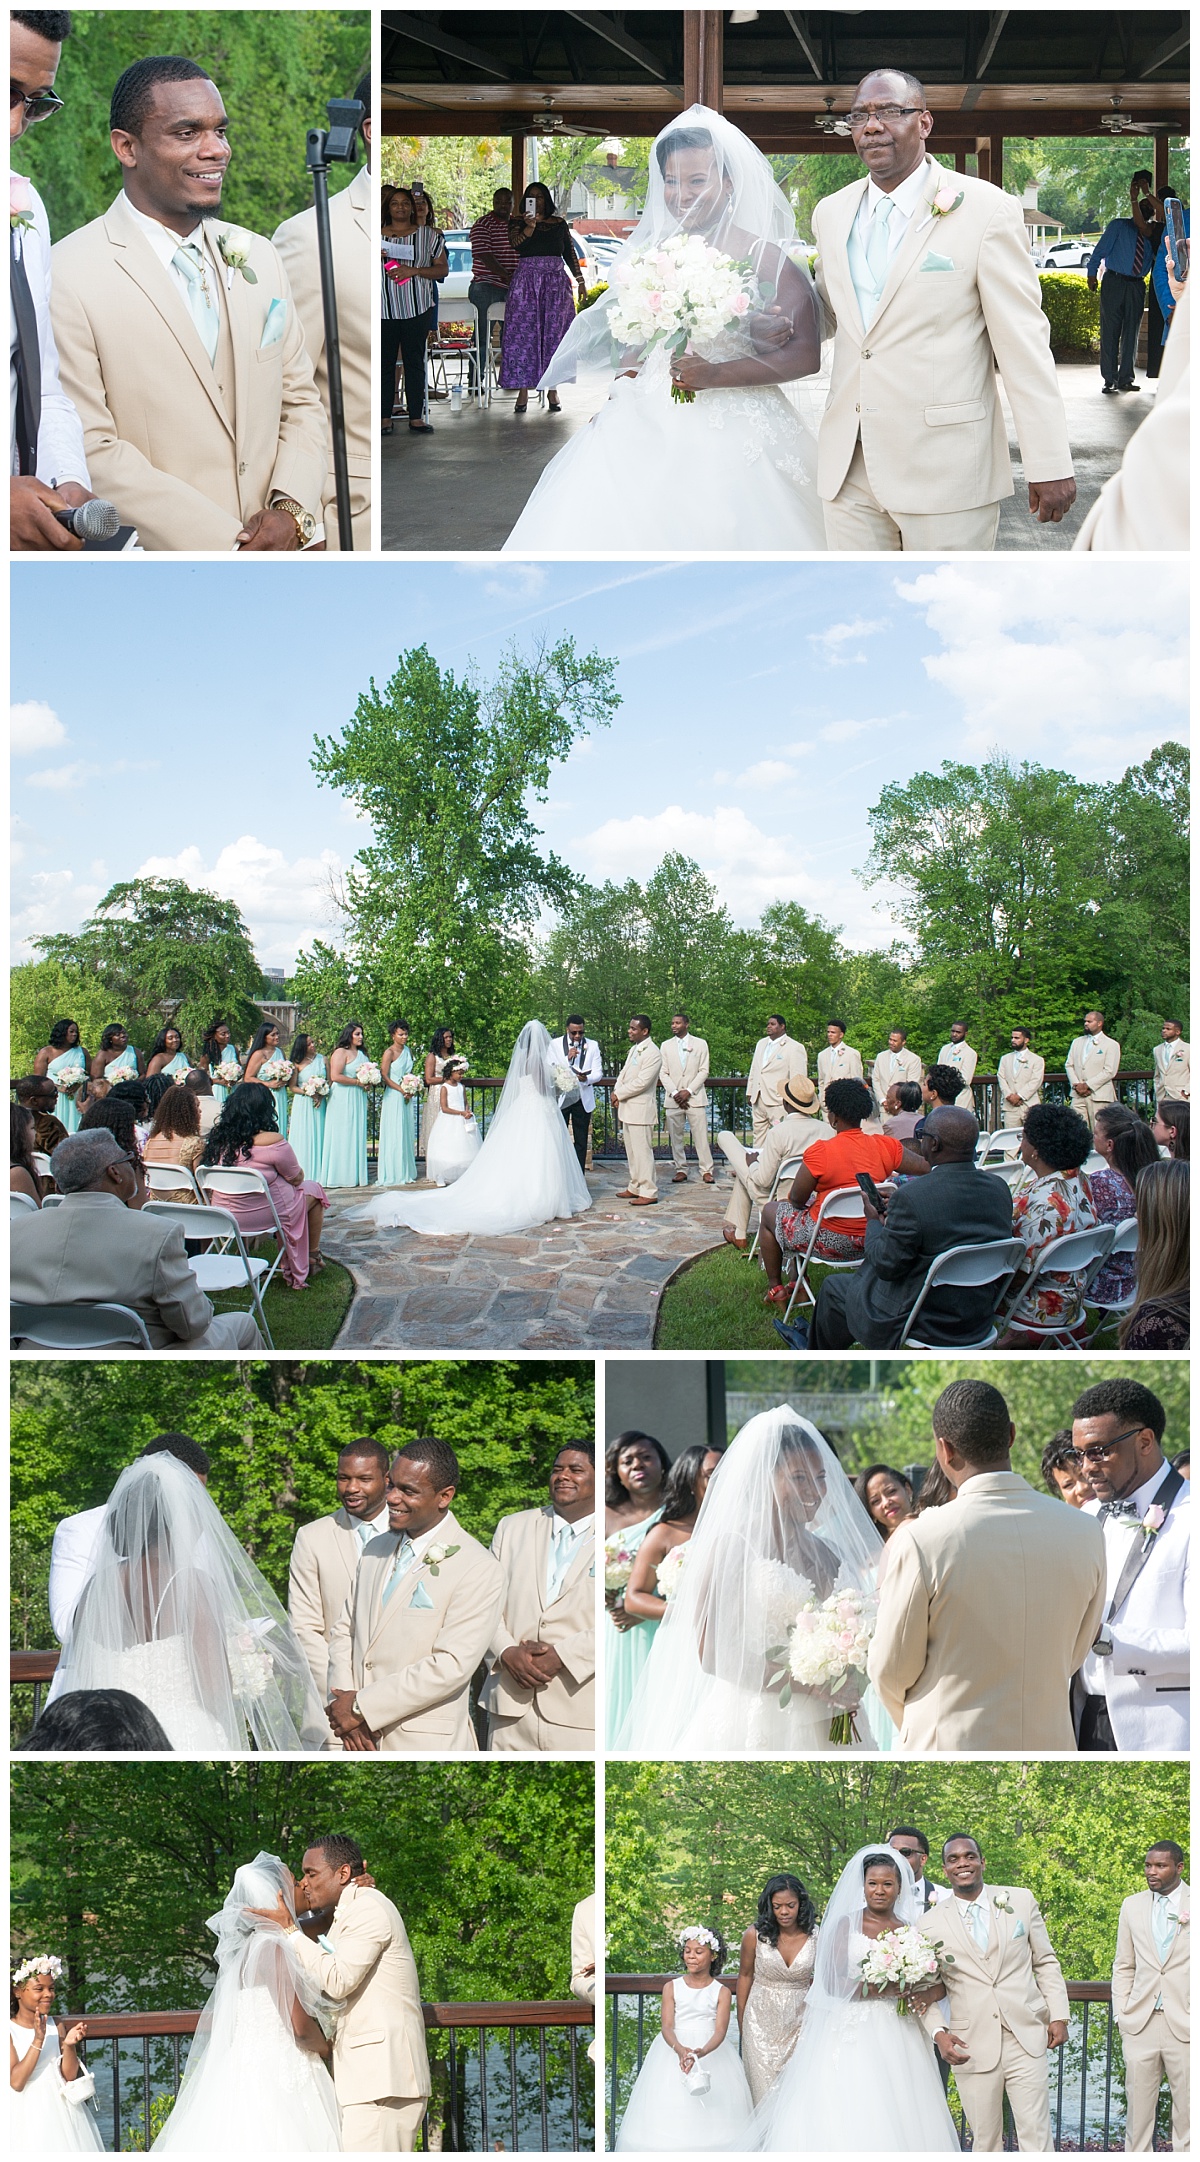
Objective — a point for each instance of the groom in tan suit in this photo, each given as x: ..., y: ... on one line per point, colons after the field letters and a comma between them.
x: 1008, y: 2001
x: 541, y: 1687
x: 930, y: 278
x: 989, y: 1604
x: 179, y: 342
x: 418, y: 1621
x: 1152, y: 2000
x: 635, y: 1101
x: 325, y: 1555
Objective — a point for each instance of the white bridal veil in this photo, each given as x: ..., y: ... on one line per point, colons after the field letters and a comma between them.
x: 176, y: 1613
x: 779, y: 1522
x: 526, y: 1173
x: 744, y: 214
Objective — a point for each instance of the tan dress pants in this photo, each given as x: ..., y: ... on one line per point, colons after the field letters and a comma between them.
x: 1014, y: 1114
x: 681, y: 1122
x: 387, y: 2127
x: 639, y: 1155
x: 856, y: 522
x: 1148, y: 2056
x: 763, y: 1116
x: 1026, y: 2081
x: 533, y: 1735
x: 747, y: 1193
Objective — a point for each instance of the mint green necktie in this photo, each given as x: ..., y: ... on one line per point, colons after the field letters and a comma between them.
x: 877, y: 245
x: 561, y: 1548
x: 977, y: 1923
x: 404, y: 1560
x: 189, y: 261
x: 1163, y: 1924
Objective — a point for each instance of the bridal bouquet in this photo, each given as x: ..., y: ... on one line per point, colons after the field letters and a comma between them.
x: 826, y: 1652
x: 250, y: 1670
x: 669, y: 1571
x: 682, y: 290
x: 618, y: 1566
x: 228, y: 1073
x: 71, y: 1082
x: 566, y: 1082
x: 905, y: 1958
x: 274, y: 1072
x: 316, y: 1086
x: 410, y: 1085
x: 368, y: 1075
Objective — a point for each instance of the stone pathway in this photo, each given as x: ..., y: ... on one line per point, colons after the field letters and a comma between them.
x: 590, y: 1284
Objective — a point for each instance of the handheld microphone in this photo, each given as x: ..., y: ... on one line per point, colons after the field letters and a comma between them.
x: 96, y: 520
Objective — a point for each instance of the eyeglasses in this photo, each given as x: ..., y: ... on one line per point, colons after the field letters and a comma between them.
x: 911, y: 1854
x: 859, y: 115
x: 1100, y: 1451
x: 39, y: 106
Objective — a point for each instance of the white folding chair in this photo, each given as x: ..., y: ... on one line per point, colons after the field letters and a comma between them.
x: 1004, y: 1143
x: 77, y: 1328
x: 1125, y: 1241
x: 487, y: 354
x: 225, y: 1270
x: 167, y: 1179
x: 843, y: 1206
x: 783, y: 1179
x: 41, y: 1163
x: 443, y: 347
x: 18, y: 1203
x: 994, y: 1261
x: 1080, y: 1253
x: 1013, y: 1173
x: 213, y: 1183
x: 52, y: 1201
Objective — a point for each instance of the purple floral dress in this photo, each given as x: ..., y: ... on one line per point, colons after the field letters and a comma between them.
x: 540, y: 308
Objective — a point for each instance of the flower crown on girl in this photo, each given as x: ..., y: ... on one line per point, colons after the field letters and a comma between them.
x: 706, y: 1936
x: 45, y: 1963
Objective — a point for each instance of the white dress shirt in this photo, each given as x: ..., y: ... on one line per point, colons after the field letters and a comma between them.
x: 71, y: 1555
x: 60, y: 451
x: 905, y: 201
x: 560, y: 1556
x: 166, y: 246
x: 1120, y: 1533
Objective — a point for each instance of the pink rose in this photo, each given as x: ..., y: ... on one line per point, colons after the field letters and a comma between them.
x: 741, y: 304
x: 945, y: 201
x: 20, y: 196
x: 1154, y: 1518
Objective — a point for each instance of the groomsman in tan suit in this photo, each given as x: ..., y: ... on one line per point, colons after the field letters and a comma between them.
x: 1021, y: 1073
x: 1172, y: 1066
x: 1093, y: 1063
x: 989, y: 1605
x: 351, y: 225
x: 326, y: 1554
x: 541, y: 1687
x: 958, y: 1052
x: 635, y: 1101
x: 756, y: 1170
x: 839, y: 1061
x: 1008, y: 2001
x: 1152, y: 2000
x: 777, y: 1059
x: 896, y: 1063
x: 179, y: 341
x: 418, y: 1621
x: 685, y: 1099
x: 930, y: 278
x: 364, y: 1962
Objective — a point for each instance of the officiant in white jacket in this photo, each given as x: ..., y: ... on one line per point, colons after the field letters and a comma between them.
x: 575, y: 1049
x: 685, y: 1097
x: 1134, y: 1689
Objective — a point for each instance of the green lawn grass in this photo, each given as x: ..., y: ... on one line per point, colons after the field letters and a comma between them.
x: 306, y: 1320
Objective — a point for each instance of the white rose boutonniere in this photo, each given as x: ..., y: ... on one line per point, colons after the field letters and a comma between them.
x: 945, y: 201
x: 238, y: 259
x: 435, y: 1555
x: 1001, y: 1903
x: 1152, y: 1523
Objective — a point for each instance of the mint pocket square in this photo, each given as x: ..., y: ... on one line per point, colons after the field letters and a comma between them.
x: 275, y: 324
x: 937, y: 262
x: 421, y: 1597
x: 1019, y: 1931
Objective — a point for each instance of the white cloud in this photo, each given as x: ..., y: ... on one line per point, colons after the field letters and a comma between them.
x: 34, y: 726
x: 768, y: 773
x: 46, y: 901
x: 76, y: 775
x: 286, y: 904
x: 830, y: 643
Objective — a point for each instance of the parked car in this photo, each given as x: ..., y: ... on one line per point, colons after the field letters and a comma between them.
x: 1065, y: 255
x: 457, y: 282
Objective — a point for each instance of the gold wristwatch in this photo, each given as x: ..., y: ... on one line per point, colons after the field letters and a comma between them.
x: 306, y: 524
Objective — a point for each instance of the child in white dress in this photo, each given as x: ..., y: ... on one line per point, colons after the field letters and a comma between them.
x: 454, y: 1141
x: 691, y: 2095
x: 49, y: 2090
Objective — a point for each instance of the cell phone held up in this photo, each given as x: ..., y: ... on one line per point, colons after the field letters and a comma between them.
x: 1180, y: 245
x: 870, y: 1192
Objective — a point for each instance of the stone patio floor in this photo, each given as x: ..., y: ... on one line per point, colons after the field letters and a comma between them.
x: 590, y: 1284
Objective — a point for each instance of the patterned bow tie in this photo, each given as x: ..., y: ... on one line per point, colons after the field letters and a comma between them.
x: 1119, y: 1508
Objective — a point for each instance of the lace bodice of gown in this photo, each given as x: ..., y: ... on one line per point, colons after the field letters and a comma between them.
x: 774, y: 2012
x: 160, y: 1675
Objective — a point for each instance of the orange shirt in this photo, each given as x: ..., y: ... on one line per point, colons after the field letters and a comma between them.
x: 838, y: 1162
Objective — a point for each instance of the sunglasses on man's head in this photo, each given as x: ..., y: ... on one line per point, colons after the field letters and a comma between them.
x: 38, y: 106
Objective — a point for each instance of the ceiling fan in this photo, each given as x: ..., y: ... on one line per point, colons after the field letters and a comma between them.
x: 1121, y: 123
x: 548, y: 122
x: 827, y: 124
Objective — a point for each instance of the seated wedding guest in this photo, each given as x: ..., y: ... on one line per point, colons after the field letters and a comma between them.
x: 166, y: 1053
x: 1127, y: 1146
x: 117, y: 1058
x: 886, y: 1495
x: 956, y: 1205
x: 246, y: 1136
x: 85, y: 1719
x: 73, y: 1547
x: 756, y: 1170
x: 325, y: 1554
x: 115, y: 1115
x: 39, y: 1097
x: 1161, y: 1319
x: 902, y: 1109
x: 787, y: 1226
x: 686, y: 1485
x: 208, y: 1106
x: 1062, y: 1473
x: 1151, y: 1999
x: 98, y: 1248
x: 175, y: 1138
x: 157, y: 1086
x: 23, y: 1175
x: 1055, y: 1143
x: 540, y: 1693
x: 540, y: 308
x: 135, y: 1094
x: 941, y: 1085
x: 1171, y: 1127
x: 94, y: 1091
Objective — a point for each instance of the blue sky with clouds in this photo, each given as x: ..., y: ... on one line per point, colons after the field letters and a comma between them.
x: 163, y: 714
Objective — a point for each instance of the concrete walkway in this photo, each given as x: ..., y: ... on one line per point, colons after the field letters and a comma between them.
x: 590, y: 1284
x: 463, y: 488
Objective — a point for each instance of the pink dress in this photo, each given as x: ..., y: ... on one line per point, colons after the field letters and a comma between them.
x: 274, y: 1159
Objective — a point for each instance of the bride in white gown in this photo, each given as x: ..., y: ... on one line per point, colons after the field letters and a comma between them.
x: 735, y: 469
x: 780, y: 1523
x: 256, y: 2082
x: 862, y: 2079
x: 526, y: 1173
x: 176, y: 1613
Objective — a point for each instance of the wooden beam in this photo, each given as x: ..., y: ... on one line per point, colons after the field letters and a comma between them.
x: 517, y: 169
x: 799, y: 29
x: 437, y: 40
x: 996, y: 162
x: 991, y: 38
x: 704, y: 58
x: 960, y: 161
x: 1161, y: 149
x: 1168, y: 49
x: 612, y: 33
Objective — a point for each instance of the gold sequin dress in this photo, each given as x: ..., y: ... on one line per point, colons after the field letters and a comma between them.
x: 774, y: 2010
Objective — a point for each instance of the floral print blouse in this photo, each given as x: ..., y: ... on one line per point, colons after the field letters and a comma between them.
x: 1048, y: 1209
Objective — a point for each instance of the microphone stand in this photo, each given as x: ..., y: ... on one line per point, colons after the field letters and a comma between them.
x: 321, y: 146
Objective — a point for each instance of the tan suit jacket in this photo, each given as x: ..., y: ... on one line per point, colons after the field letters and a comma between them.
x: 776, y: 1061
x: 685, y: 1065
x: 961, y: 299
x: 1021, y: 1074
x: 350, y: 229
x: 1140, y: 1976
x: 1146, y: 505
x: 986, y: 1609
x: 966, y: 1058
x: 1095, y: 1060
x: 637, y: 1085
x: 411, y: 1662
x: 1173, y: 1071
x: 379, y: 2046
x: 841, y: 1064
x: 91, y: 1250
x: 521, y: 1545
x: 790, y: 1137
x: 184, y: 460
x: 1017, y: 1983
x: 321, y: 1573
x: 889, y: 1066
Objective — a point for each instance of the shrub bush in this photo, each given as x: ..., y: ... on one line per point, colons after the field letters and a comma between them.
x: 1073, y: 311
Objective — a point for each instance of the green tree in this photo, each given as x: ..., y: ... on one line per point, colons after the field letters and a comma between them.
x: 155, y: 943
x: 460, y: 173
x: 43, y: 992
x: 275, y: 70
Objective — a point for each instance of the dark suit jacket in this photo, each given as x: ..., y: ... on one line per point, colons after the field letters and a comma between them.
x: 953, y: 1205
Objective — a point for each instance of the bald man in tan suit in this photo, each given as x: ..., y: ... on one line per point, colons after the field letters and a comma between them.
x: 541, y: 1687
x: 1152, y: 2000
x: 989, y: 1604
x: 352, y: 215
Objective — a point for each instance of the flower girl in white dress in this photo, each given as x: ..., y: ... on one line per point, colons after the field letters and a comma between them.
x: 49, y: 2090
x: 455, y: 1143
x: 691, y: 2095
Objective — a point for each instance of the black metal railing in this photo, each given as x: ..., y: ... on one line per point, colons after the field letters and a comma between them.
x: 506, y: 2077
x: 1087, y: 2098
